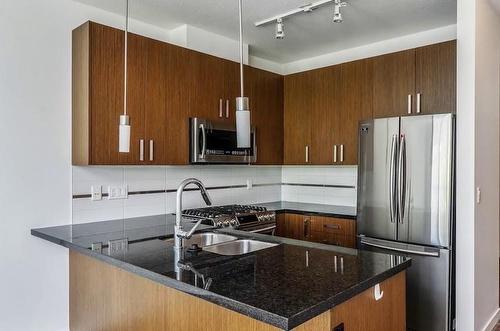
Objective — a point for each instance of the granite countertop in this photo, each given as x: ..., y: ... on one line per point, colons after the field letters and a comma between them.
x: 284, y: 285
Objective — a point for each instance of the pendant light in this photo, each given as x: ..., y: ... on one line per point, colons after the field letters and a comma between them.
x: 242, y: 104
x: 124, y: 128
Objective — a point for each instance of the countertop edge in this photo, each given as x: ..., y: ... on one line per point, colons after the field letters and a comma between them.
x: 247, y: 310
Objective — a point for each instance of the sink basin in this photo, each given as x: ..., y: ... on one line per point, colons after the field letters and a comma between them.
x: 208, y: 238
x: 239, y: 247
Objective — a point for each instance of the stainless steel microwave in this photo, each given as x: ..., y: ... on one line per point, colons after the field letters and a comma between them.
x: 215, y: 142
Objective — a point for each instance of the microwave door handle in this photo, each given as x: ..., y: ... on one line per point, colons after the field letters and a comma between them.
x: 204, y: 145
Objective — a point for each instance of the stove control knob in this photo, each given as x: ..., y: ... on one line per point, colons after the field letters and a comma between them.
x: 226, y: 223
x: 219, y: 224
x: 233, y: 222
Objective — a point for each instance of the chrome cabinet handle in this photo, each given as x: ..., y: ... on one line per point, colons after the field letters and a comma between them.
x: 307, y: 154
x: 341, y: 153
x: 419, y: 96
x: 402, y: 179
x: 392, y: 178
x: 220, y: 108
x: 334, y: 153
x: 204, y: 145
x: 409, y: 103
x: 151, y: 150
x: 227, y: 108
x: 141, y: 150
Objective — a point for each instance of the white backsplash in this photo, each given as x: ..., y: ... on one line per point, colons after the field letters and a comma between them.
x: 269, y: 183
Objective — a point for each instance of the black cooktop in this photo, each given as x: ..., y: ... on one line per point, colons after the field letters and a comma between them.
x: 230, y: 210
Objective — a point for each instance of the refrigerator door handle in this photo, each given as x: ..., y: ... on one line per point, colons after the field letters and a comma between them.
x: 380, y: 244
x: 392, y: 178
x: 402, y: 179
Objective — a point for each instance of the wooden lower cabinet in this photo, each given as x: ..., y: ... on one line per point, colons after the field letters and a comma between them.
x: 320, y: 229
x: 107, y: 298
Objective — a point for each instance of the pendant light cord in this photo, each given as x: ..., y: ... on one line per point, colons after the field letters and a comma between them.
x: 241, y: 48
x: 126, y: 60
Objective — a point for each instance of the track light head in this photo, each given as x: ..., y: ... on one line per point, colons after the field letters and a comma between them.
x: 280, y: 29
x: 337, y: 15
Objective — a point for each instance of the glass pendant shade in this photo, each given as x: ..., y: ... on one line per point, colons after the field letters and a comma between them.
x: 124, y: 134
x: 242, y: 123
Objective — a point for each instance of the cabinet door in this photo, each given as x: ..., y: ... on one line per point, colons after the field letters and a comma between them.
x: 325, y: 128
x: 265, y: 90
x: 178, y: 77
x: 281, y: 225
x: 105, y: 93
x: 231, y: 90
x: 393, y: 82
x: 436, y: 67
x: 206, y: 86
x: 155, y: 107
x: 355, y: 105
x: 297, y: 128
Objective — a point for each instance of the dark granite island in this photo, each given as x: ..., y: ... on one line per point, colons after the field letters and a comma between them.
x: 293, y: 285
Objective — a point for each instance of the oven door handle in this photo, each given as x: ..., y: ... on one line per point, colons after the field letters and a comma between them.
x: 264, y: 229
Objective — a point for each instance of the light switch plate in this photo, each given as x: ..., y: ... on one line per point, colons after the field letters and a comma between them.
x: 117, y: 192
x: 249, y: 184
x: 96, y: 192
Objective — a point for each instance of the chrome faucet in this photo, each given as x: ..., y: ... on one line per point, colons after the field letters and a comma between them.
x: 179, y: 233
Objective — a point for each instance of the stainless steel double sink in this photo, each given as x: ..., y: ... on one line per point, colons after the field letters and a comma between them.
x: 224, y: 244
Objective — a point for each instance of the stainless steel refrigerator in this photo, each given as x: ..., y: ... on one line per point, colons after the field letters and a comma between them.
x: 406, y: 205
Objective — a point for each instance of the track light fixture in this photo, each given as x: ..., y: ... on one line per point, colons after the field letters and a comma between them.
x: 337, y: 15
x: 280, y: 29
x: 305, y: 9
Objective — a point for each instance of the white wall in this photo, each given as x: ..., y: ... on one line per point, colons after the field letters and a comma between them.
x: 487, y: 161
x: 478, y: 136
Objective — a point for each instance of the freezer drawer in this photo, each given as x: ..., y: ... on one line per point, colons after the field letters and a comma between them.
x: 428, y: 291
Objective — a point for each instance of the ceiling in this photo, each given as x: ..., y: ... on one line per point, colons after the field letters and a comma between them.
x: 307, y: 34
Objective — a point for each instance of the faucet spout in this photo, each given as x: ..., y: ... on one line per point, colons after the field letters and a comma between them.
x: 179, y: 233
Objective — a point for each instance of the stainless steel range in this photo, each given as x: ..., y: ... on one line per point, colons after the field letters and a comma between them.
x: 254, y: 219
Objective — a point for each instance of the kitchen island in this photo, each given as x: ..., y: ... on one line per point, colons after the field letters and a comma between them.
x: 144, y: 285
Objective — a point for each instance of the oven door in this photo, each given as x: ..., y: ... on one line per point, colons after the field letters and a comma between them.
x: 214, y: 142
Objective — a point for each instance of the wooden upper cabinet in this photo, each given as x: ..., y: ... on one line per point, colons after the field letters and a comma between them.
x: 207, y: 85
x: 265, y: 92
x: 178, y: 79
x: 324, y: 112
x: 393, y: 83
x: 298, y: 95
x: 355, y: 105
x: 436, y: 67
x: 97, y: 94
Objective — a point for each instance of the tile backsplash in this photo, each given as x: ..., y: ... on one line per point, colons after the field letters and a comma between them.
x: 152, y: 189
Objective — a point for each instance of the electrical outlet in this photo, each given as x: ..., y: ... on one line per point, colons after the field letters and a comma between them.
x: 249, y: 184
x: 96, y: 192
x: 117, y: 192
x: 117, y: 246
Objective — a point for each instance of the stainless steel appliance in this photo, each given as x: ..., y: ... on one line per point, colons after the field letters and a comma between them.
x: 215, y: 142
x: 240, y: 217
x: 406, y: 205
